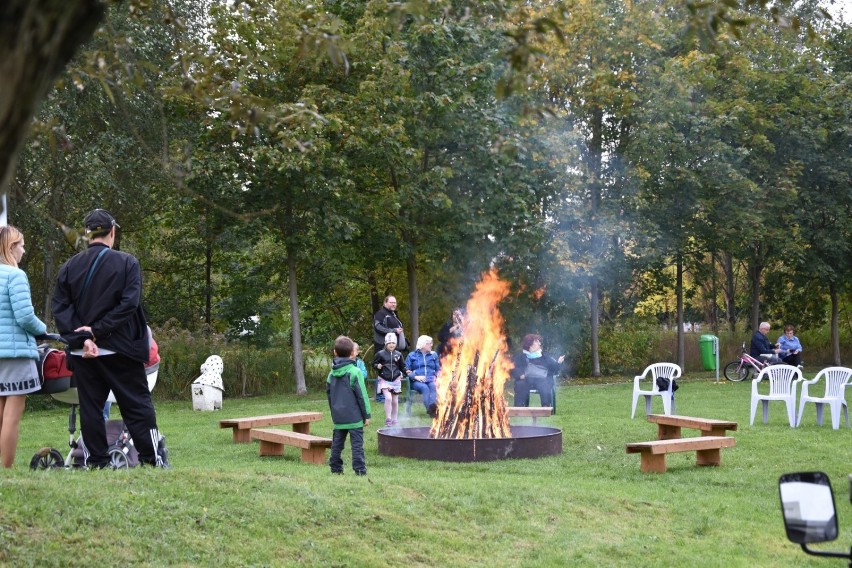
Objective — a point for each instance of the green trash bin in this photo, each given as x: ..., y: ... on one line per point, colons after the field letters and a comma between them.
x: 708, y: 357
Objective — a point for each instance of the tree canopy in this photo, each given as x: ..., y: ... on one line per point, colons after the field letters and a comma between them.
x: 280, y: 166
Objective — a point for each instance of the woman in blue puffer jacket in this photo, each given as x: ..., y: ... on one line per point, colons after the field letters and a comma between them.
x: 18, y: 351
x: 423, y: 366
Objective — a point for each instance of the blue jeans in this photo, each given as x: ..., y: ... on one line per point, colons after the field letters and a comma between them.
x: 428, y: 391
x: 338, y: 441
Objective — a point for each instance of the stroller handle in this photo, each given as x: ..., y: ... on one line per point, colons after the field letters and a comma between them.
x: 49, y: 337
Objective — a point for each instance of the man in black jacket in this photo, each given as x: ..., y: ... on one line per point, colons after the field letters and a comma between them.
x: 97, y: 305
x: 760, y: 345
x: 386, y: 321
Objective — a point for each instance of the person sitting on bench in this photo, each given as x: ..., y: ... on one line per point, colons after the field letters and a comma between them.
x: 760, y: 345
x: 423, y: 366
x: 791, y: 347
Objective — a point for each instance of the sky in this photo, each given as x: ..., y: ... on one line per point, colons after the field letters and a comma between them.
x: 841, y: 8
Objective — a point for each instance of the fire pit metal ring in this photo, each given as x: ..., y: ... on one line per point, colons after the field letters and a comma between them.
x: 525, y: 442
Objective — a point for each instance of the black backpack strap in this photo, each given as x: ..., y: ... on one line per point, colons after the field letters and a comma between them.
x: 91, y: 272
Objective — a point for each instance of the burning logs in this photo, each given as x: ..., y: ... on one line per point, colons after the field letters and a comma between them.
x: 470, y: 397
x: 475, y: 409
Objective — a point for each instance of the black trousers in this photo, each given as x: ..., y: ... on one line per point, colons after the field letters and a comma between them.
x: 338, y: 441
x: 127, y: 380
x: 543, y: 386
x: 793, y: 359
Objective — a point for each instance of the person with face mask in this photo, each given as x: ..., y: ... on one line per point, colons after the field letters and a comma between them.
x: 534, y: 370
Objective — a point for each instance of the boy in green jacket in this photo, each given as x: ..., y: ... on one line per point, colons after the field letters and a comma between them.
x: 349, y: 405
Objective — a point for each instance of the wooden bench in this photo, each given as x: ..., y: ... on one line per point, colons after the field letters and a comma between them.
x: 301, y: 422
x: 272, y: 443
x: 535, y: 412
x: 707, y: 449
x: 668, y: 427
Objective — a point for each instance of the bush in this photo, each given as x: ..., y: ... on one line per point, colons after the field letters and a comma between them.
x: 627, y: 352
x: 249, y: 370
x: 624, y: 351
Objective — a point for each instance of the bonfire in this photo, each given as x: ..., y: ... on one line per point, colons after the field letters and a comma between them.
x: 474, y: 372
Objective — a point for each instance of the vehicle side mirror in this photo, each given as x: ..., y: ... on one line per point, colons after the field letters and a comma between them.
x: 807, y: 503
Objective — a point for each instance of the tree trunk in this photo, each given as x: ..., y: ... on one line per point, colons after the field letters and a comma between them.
x: 375, y: 298
x: 594, y: 327
x: 56, y: 208
x: 49, y: 274
x: 39, y: 38
x: 835, y: 328
x: 208, y: 283
x: 730, y: 291
x: 754, y: 271
x: 595, y: 157
x: 714, y: 295
x: 413, y: 299
x: 681, y: 357
x: 298, y: 363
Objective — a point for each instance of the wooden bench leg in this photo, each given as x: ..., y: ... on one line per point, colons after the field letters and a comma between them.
x: 708, y: 457
x: 314, y: 455
x: 242, y: 436
x: 302, y: 428
x: 665, y: 432
x: 653, y: 463
x: 271, y: 448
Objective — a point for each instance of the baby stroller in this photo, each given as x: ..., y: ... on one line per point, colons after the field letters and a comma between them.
x: 58, y: 382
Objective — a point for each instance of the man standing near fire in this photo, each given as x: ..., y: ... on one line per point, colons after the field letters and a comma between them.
x: 97, y: 304
x: 386, y: 321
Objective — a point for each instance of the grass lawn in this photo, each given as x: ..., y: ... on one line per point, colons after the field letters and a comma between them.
x: 223, y: 505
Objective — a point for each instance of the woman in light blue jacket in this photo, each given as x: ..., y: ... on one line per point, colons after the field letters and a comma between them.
x: 790, y: 346
x: 18, y: 351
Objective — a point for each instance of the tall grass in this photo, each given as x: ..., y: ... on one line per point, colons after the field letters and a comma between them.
x: 221, y: 504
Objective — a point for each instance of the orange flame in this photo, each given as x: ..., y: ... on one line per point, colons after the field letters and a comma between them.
x: 537, y: 294
x: 473, y: 374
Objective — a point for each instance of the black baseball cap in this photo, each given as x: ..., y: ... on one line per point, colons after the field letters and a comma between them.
x: 99, y: 220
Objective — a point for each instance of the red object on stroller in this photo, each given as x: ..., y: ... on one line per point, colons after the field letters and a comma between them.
x: 58, y: 381
x: 52, y: 370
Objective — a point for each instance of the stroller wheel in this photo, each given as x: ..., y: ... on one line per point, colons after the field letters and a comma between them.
x: 47, y: 458
x: 118, y: 460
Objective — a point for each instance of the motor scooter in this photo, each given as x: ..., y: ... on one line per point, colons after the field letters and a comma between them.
x: 807, y: 503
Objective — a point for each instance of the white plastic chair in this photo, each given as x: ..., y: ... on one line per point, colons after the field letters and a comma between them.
x: 782, y: 386
x: 836, y: 381
x: 667, y: 370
